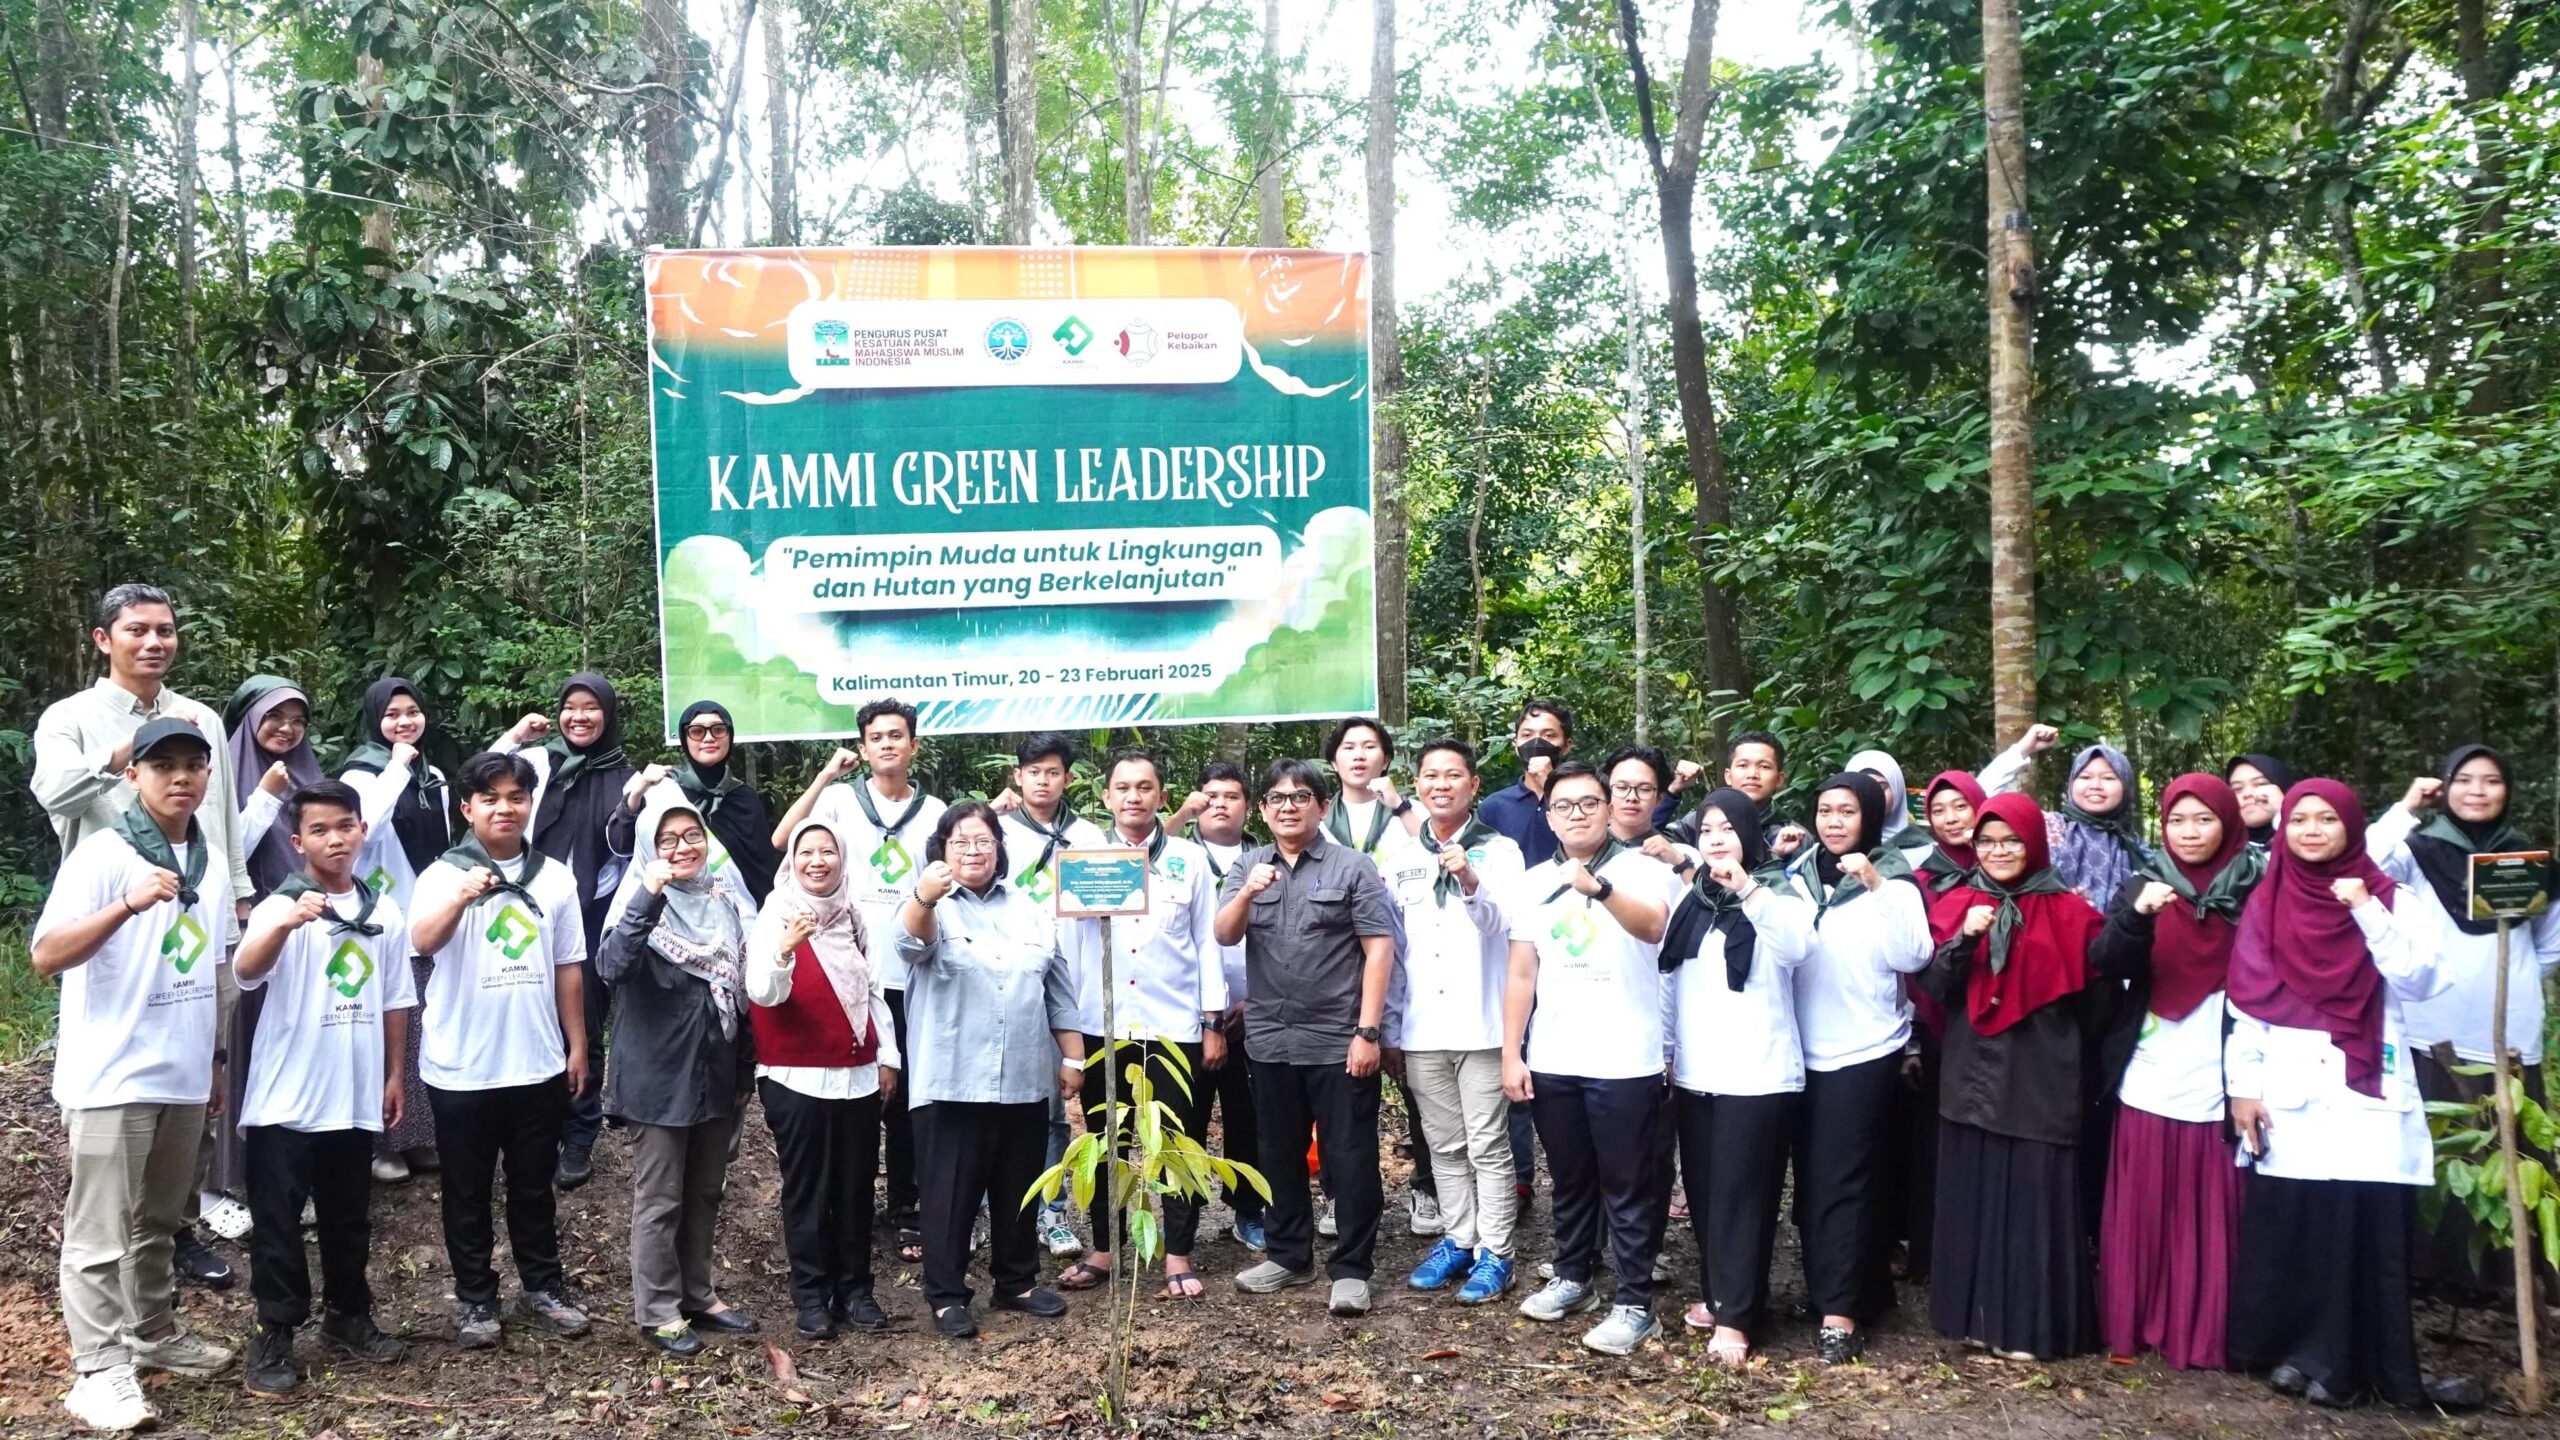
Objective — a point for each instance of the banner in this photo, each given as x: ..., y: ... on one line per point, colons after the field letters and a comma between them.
x: 1019, y: 489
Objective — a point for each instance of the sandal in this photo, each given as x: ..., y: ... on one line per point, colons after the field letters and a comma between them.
x: 910, y: 1245
x: 1699, y: 1317
x: 1182, y: 1285
x: 1083, y: 1276
x: 1731, y: 1354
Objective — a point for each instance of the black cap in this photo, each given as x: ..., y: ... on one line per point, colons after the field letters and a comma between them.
x: 165, y: 730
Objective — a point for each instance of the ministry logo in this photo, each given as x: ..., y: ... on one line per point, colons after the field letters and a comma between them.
x: 1008, y: 341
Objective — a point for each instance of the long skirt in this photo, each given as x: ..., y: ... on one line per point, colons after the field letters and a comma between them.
x: 2321, y: 1283
x: 417, y: 1127
x: 2012, y: 1264
x: 2164, y: 1250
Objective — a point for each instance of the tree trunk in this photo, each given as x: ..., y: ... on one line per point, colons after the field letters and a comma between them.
x: 664, y: 139
x: 1274, y: 212
x: 239, y: 184
x: 1675, y: 183
x: 190, y: 101
x: 1129, y: 63
x: 378, y: 233
x: 719, y: 176
x: 1632, y: 422
x: 784, y: 199
x: 2011, y: 250
x: 1386, y: 370
x: 115, y: 294
x: 1018, y: 99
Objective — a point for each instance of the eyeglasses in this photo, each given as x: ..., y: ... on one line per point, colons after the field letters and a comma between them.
x: 706, y: 732
x: 1576, y: 809
x: 1635, y: 791
x: 681, y: 838
x: 975, y: 845
x: 1288, y: 799
x: 2000, y: 846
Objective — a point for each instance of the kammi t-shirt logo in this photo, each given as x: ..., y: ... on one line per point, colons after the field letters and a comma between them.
x: 1575, y: 929
x: 1037, y: 882
x: 891, y: 862
x: 513, y: 931
x: 184, y: 943
x: 379, y: 882
x: 348, y: 969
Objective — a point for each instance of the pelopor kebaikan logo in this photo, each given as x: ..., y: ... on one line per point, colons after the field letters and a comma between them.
x: 1007, y: 340
x: 1138, y: 343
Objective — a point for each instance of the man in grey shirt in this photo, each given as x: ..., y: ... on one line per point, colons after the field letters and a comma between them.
x: 1319, y: 935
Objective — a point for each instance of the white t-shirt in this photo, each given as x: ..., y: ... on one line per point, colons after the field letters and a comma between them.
x: 1743, y: 1042
x: 1600, y: 992
x: 491, y: 1014
x: 1449, y: 980
x: 317, y: 1065
x: 138, y: 1017
x: 880, y: 866
x: 1079, y: 940
x: 2176, y: 1070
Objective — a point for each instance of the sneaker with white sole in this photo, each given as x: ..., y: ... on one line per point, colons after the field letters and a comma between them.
x: 181, y: 1352
x: 1271, y: 1277
x: 390, y: 1169
x: 227, y: 1217
x: 1349, y: 1298
x: 1627, y: 1327
x: 1325, y: 1225
x: 111, y: 1400
x: 1558, y: 1298
x: 1423, y: 1214
x: 1250, y: 1234
x: 1056, y: 1236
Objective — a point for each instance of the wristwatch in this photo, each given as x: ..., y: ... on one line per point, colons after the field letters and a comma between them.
x: 1365, y: 1032
x: 1607, y: 889
x: 1403, y: 807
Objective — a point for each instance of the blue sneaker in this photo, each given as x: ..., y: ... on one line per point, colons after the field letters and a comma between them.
x: 1250, y: 1235
x: 1487, y: 1281
x: 1445, y: 1263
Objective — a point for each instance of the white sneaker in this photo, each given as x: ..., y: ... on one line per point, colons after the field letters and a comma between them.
x: 111, y: 1399
x: 1627, y: 1327
x: 390, y: 1169
x: 1424, y: 1214
x: 1324, y: 1222
x: 1056, y: 1236
x: 226, y: 1217
x: 1559, y: 1298
x: 181, y: 1352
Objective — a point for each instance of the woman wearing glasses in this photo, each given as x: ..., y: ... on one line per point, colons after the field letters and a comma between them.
x: 733, y: 814
x: 674, y: 951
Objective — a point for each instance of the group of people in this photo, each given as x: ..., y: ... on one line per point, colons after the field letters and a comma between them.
x: 2100, y: 1080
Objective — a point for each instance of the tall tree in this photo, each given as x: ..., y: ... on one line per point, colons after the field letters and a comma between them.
x: 665, y: 139
x: 2011, y: 249
x: 719, y: 176
x: 190, y: 97
x: 778, y: 95
x: 1386, y: 369
x: 1016, y: 30
x: 1675, y: 184
x: 1268, y: 183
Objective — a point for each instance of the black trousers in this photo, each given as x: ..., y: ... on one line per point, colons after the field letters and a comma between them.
x: 830, y: 1152
x: 1911, y: 1181
x: 1733, y: 1148
x: 333, y: 1170
x: 1600, y: 1139
x: 585, y: 1115
x: 1342, y: 1110
x: 1231, y: 1088
x: 901, y: 1129
x: 967, y: 1155
x: 477, y: 1131
x: 1839, y: 1154
x: 1423, y: 1182
x: 2320, y: 1281
x: 1191, y: 1111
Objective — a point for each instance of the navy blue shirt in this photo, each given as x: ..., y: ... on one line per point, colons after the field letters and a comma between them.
x: 1520, y: 817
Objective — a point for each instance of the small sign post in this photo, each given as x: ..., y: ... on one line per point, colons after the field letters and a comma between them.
x: 2507, y: 887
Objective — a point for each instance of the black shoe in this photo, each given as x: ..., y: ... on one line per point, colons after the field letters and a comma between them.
x: 955, y: 1323
x: 270, y: 1372
x: 358, y: 1338
x: 814, y: 1322
x: 723, y: 1322
x: 550, y: 1310
x: 1839, y: 1345
x: 477, y: 1327
x: 577, y: 1166
x: 2327, y: 1399
x: 2288, y: 1381
x: 2454, y: 1392
x: 860, y: 1311
x: 677, y: 1340
x: 196, y: 1263
x: 1037, y: 1300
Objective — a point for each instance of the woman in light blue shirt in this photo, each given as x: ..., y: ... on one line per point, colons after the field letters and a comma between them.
x: 991, y: 1005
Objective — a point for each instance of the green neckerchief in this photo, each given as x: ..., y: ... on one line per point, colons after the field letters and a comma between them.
x: 887, y: 830
x: 2004, y: 924
x: 372, y: 755
x: 469, y: 856
x: 569, y: 764
x: 1912, y: 837
x: 2124, y: 825
x: 1054, y: 834
x: 1610, y: 849
x: 2440, y: 826
x: 300, y: 883
x: 2230, y: 887
x: 1888, y: 858
x: 1943, y: 873
x: 1471, y: 834
x: 705, y: 795
x: 143, y: 833
x: 1217, y: 872
x: 1337, y: 823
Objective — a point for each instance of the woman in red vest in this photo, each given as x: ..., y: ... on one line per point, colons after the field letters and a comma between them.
x: 825, y: 1056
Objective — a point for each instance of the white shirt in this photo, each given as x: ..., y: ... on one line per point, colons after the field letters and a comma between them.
x: 1743, y: 1042
x: 1222, y: 858
x: 1599, y: 1002
x: 880, y: 866
x: 258, y: 815
x: 1448, y: 985
x: 137, y: 1025
x: 1079, y: 940
x: 1164, y: 964
x: 770, y: 976
x: 383, y: 863
x: 1392, y: 841
x: 492, y: 1019
x: 2318, y: 1128
x: 2469, y: 963
x: 78, y: 734
x: 2176, y: 1070
x: 318, y: 1062
x: 1850, y: 1004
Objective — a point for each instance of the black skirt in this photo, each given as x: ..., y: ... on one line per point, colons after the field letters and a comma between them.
x: 2011, y: 1268
x: 2321, y: 1283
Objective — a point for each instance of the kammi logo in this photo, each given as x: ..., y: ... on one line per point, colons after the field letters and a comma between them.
x: 1037, y: 882
x: 349, y: 969
x: 184, y: 943
x: 832, y: 337
x: 1577, y: 932
x: 1073, y: 334
x: 379, y: 882
x: 513, y: 932
x: 891, y: 862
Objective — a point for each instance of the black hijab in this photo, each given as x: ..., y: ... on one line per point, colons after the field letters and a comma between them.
x: 2284, y: 778
x: 584, y: 789
x: 730, y: 807
x: 1709, y: 907
x: 418, y: 817
x: 2444, y: 845
x: 1871, y: 817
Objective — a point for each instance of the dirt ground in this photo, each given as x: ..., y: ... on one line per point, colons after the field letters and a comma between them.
x: 1232, y: 1365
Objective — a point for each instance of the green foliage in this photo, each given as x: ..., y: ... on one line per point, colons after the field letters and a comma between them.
x: 1157, y: 1158
x: 2471, y: 1170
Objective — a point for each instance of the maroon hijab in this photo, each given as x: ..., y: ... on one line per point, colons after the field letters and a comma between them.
x: 2301, y: 960
x: 1963, y: 783
x: 2191, y: 951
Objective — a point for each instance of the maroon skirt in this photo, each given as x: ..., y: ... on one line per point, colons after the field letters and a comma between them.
x: 2165, y: 1247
